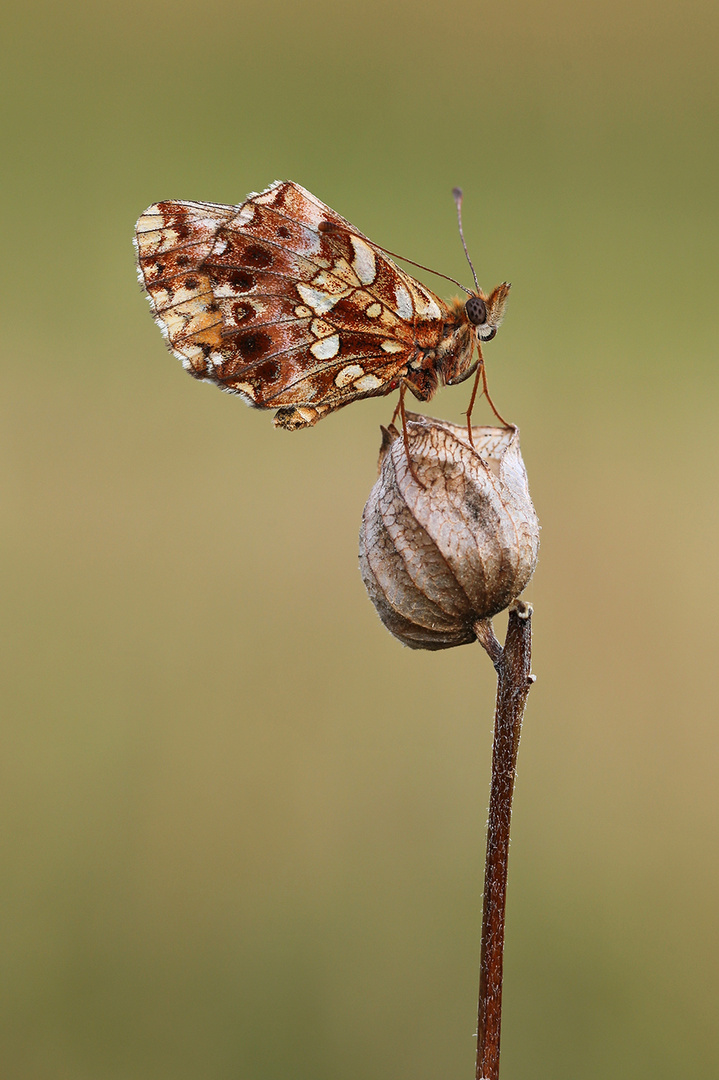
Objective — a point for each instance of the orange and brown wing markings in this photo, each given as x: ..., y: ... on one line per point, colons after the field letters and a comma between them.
x: 173, y: 240
x: 272, y: 383
x: 282, y: 301
x: 358, y: 359
x: 289, y: 216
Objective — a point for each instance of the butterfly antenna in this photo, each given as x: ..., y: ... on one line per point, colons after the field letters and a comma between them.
x: 427, y: 268
x: 329, y: 226
x: 457, y: 192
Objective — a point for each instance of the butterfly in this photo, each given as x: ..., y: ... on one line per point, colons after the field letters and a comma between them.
x: 283, y: 302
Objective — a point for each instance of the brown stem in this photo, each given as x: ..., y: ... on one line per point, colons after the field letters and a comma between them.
x: 485, y: 636
x: 513, y: 682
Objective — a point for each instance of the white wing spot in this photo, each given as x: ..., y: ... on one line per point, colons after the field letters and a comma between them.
x: 190, y: 298
x: 149, y: 241
x: 266, y: 198
x: 348, y: 374
x: 161, y: 298
x: 245, y: 215
x: 364, y: 263
x: 321, y: 328
x: 330, y: 283
x: 320, y: 302
x: 302, y: 312
x: 223, y: 291
x: 190, y: 352
x: 392, y: 346
x: 429, y: 309
x: 151, y: 220
x: 326, y: 348
x: 404, y: 302
x: 368, y: 382
x: 373, y: 311
x: 220, y: 246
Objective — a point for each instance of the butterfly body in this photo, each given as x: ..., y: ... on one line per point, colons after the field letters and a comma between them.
x: 281, y: 301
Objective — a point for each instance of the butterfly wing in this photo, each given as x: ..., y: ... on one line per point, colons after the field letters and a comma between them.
x: 283, y: 301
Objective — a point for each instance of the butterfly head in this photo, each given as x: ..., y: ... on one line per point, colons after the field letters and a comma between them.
x: 485, y: 313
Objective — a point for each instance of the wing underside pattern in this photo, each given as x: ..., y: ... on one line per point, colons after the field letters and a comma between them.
x: 282, y: 301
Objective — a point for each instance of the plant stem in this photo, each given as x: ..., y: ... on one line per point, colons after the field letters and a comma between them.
x: 513, y: 682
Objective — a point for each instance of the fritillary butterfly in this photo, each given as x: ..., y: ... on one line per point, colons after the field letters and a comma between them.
x: 283, y: 302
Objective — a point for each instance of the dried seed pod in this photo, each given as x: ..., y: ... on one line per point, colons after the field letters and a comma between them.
x: 452, y: 540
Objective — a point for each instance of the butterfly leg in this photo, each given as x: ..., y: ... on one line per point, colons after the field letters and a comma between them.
x: 475, y: 387
x: 481, y: 375
x: 485, y: 391
x: 400, y: 408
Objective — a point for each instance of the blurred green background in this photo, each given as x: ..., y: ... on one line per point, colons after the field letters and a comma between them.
x: 242, y: 827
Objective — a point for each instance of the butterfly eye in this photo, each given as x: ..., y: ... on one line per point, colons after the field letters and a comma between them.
x: 476, y: 310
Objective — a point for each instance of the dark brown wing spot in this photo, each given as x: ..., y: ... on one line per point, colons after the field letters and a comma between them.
x: 182, y: 260
x: 241, y: 280
x: 242, y: 311
x: 283, y: 232
x: 267, y: 372
x: 258, y: 257
x: 253, y: 346
x: 346, y: 311
x: 191, y: 283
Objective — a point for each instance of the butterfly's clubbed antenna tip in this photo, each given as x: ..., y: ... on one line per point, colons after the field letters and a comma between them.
x: 457, y: 192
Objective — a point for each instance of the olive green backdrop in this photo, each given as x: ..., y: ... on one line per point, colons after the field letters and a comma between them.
x: 242, y: 827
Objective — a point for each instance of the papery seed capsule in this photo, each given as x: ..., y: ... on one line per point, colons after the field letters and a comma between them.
x: 451, y: 540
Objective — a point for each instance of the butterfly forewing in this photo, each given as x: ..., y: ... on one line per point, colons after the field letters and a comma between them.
x: 282, y: 301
